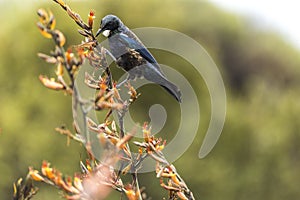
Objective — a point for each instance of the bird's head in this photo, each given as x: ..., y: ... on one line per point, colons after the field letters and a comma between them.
x: 109, y: 24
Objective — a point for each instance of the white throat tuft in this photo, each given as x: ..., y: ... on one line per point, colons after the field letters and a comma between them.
x: 106, y: 33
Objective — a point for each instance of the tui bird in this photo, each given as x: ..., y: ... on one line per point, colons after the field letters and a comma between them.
x: 133, y: 56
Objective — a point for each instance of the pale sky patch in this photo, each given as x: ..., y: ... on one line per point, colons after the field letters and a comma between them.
x: 283, y: 16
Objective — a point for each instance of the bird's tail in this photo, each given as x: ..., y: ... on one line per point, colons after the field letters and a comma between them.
x: 154, y: 75
x: 172, y: 89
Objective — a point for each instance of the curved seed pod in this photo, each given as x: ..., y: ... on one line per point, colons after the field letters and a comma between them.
x: 47, y: 58
x: 59, y: 38
x: 52, y: 21
x: 50, y: 83
x: 43, y: 30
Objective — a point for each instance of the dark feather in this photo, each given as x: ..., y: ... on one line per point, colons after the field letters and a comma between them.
x: 135, y: 44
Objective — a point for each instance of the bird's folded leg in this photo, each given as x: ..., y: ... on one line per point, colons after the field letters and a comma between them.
x: 122, y: 82
x: 128, y: 78
x: 110, y: 54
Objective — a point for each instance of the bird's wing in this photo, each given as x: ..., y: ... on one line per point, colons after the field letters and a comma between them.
x: 139, y: 47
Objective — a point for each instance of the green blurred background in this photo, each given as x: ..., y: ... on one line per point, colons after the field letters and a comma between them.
x: 258, y: 154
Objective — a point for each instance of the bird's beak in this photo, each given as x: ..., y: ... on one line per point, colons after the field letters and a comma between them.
x: 99, y: 32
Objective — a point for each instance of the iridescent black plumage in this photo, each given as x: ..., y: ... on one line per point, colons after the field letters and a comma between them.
x: 133, y: 56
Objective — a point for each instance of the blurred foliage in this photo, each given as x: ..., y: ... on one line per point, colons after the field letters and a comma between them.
x: 258, y: 154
